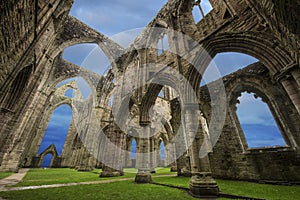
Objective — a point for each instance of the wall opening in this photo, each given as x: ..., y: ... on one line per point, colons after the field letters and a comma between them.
x: 161, y: 94
x: 69, y: 93
x: 111, y: 100
x: 163, y: 44
x: 224, y: 64
x: 83, y: 87
x: 162, y: 150
x: 258, y: 124
x: 57, y: 129
x: 47, y: 160
x: 201, y: 9
x: 89, y: 56
x: 133, y: 149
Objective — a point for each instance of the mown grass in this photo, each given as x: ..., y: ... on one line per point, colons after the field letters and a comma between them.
x: 49, y: 176
x: 274, y: 192
x: 125, y: 190
x: 5, y: 174
x: 129, y: 190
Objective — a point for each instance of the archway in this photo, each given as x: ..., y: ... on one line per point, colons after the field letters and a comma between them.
x: 89, y: 56
x: 259, y: 126
x: 47, y: 160
x: 57, y: 129
x: 162, y: 156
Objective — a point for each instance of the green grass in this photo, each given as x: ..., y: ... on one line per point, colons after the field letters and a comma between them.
x: 5, y: 174
x: 53, y: 176
x: 274, y: 192
x: 109, y: 191
x: 49, y: 176
x: 129, y: 190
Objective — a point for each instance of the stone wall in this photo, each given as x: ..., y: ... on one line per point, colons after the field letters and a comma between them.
x: 231, y: 158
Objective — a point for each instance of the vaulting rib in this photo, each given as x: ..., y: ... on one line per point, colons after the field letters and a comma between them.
x: 66, y: 69
x: 75, y: 32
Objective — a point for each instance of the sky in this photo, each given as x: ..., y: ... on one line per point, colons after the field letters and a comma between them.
x: 122, y: 21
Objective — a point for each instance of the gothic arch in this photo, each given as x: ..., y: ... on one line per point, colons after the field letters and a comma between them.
x: 271, y: 94
x: 50, y: 150
x: 259, y: 45
x: 82, y: 33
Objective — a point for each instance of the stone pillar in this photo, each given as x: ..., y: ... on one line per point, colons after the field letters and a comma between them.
x: 292, y: 90
x: 201, y: 183
x: 114, y: 153
x: 172, y: 157
x: 128, y: 162
x: 143, y: 160
x: 152, y: 155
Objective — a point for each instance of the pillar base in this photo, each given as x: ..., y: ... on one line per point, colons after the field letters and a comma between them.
x: 203, y: 185
x: 84, y: 169
x: 143, y: 177
x: 111, y: 174
x: 173, y: 169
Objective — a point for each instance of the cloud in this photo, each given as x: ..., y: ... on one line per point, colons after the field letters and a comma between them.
x: 77, y: 53
x: 113, y: 16
x: 226, y: 63
x: 262, y: 136
x: 126, y: 37
x: 254, y: 111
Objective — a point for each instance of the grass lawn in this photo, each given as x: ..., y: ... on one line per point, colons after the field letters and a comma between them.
x: 242, y: 188
x: 49, y: 176
x: 129, y: 190
x: 5, y: 174
x: 109, y: 191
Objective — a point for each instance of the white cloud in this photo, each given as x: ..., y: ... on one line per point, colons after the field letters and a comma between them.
x: 254, y: 111
x: 113, y: 16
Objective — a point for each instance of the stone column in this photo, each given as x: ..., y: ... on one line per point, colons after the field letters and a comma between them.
x: 112, y: 165
x: 152, y: 155
x: 143, y: 160
x: 173, y: 159
x: 292, y: 90
x: 201, y: 183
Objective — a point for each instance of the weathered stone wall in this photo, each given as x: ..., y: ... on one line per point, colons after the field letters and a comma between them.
x: 38, y: 32
x: 231, y: 157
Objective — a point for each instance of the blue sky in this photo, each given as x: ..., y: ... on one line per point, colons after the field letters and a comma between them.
x: 122, y: 21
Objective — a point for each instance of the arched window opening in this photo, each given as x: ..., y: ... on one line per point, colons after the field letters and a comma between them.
x: 69, y: 93
x: 163, y: 44
x: 224, y: 64
x: 162, y: 150
x: 257, y: 122
x: 161, y: 94
x: 16, y: 89
x: 47, y: 160
x: 57, y: 129
x: 83, y: 86
x: 111, y: 100
x: 201, y: 9
x: 133, y: 149
x: 89, y: 56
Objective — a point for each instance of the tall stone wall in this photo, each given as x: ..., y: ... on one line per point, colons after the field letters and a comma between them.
x: 231, y: 158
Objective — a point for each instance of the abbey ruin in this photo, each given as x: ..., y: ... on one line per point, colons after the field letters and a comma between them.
x: 199, y: 126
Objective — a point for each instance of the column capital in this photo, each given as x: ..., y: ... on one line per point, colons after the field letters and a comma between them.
x: 284, y: 73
